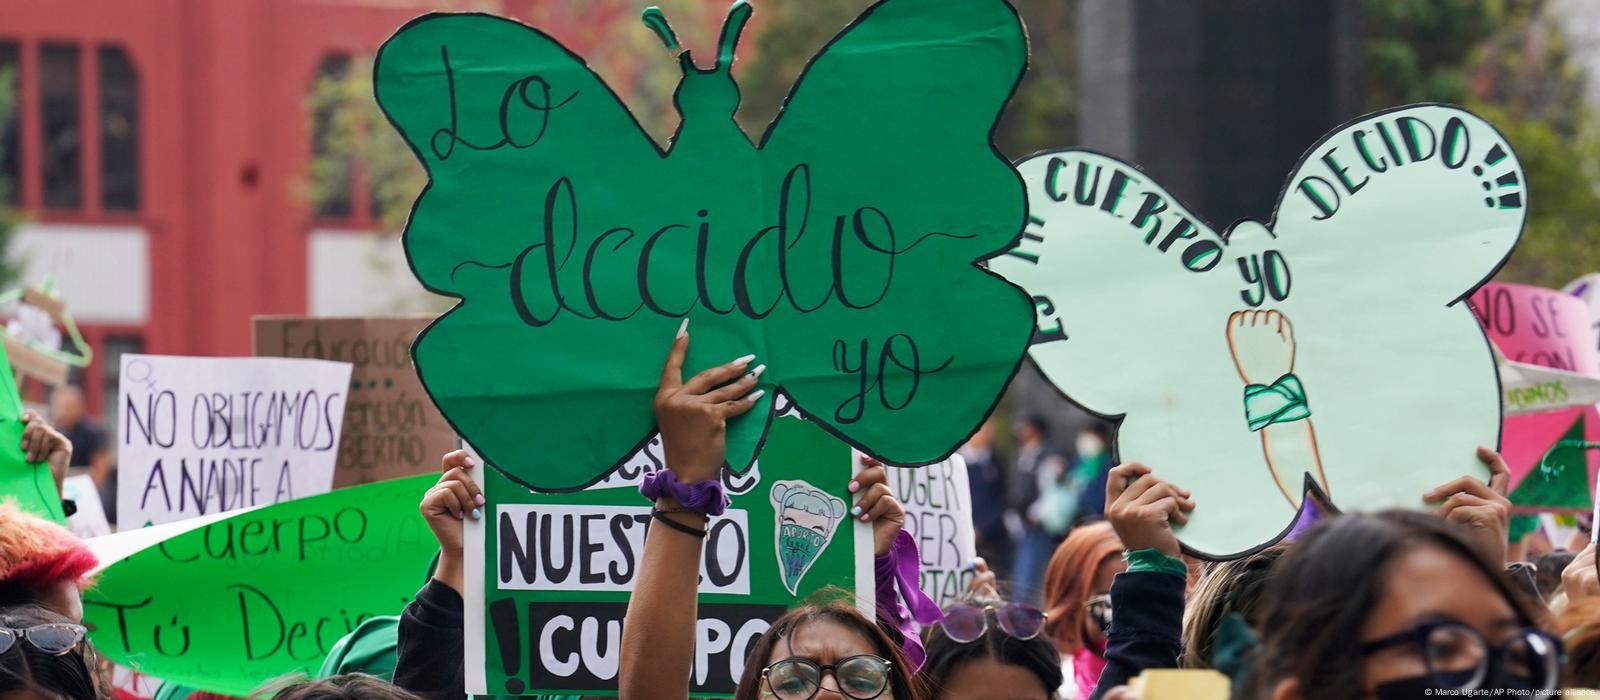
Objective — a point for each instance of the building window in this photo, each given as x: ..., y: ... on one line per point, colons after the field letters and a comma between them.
x: 10, y: 126
x: 62, y: 133
x: 119, y: 131
x: 333, y: 157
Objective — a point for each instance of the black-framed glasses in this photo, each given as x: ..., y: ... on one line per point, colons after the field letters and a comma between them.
x: 55, y: 639
x: 968, y: 623
x: 1460, y: 658
x: 1099, y: 607
x: 861, y: 677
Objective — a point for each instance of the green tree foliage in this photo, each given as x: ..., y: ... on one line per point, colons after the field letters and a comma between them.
x: 1510, y: 62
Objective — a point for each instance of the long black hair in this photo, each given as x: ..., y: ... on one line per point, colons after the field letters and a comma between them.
x: 1320, y: 593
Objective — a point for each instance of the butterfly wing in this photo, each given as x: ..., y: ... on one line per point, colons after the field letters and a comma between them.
x: 1132, y: 290
x: 891, y: 128
x: 518, y: 137
x: 1414, y: 209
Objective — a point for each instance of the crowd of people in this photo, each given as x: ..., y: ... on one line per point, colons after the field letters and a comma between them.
x: 1384, y: 605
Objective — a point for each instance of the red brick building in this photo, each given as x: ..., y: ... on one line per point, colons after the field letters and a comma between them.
x: 160, y: 152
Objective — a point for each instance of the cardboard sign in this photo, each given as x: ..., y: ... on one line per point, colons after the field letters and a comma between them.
x: 1319, y: 350
x: 938, y: 504
x: 1547, y: 452
x: 391, y: 428
x: 200, y: 435
x: 555, y: 570
x: 257, y: 595
x: 839, y: 248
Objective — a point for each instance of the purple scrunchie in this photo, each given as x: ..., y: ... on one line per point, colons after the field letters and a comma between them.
x: 701, y: 497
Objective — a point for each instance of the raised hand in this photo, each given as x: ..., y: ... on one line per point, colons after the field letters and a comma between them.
x: 693, y: 415
x: 1142, y: 508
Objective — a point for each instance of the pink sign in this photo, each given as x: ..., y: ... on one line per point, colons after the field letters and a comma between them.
x: 1551, y: 329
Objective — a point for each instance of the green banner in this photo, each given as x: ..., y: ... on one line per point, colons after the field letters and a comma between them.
x: 31, y: 485
x: 251, y: 597
x: 557, y: 568
x: 839, y: 248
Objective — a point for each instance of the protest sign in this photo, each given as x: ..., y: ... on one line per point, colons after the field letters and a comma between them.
x: 837, y: 249
x: 554, y: 570
x: 1546, y: 451
x: 32, y: 486
x: 253, y: 596
x: 391, y: 429
x: 1316, y: 350
x: 199, y: 435
x: 90, y: 518
x: 938, y: 504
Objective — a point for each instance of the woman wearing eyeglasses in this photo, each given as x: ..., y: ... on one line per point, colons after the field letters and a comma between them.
x: 1077, y: 585
x: 43, y: 657
x: 986, y: 648
x: 1398, y: 605
x: 826, y: 652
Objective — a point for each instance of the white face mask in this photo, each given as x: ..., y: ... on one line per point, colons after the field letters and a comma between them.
x: 1090, y: 445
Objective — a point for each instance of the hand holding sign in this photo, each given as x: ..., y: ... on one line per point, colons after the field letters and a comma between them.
x: 1480, y: 507
x: 1142, y: 508
x: 835, y: 247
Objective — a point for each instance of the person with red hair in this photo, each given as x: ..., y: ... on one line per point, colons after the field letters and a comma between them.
x: 1077, y: 585
x: 41, y: 563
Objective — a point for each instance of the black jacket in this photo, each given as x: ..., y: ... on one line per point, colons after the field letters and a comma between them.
x: 1146, y: 627
x: 429, y: 660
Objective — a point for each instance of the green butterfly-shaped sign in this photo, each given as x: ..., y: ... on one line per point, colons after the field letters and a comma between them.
x: 839, y: 249
x: 1330, y: 349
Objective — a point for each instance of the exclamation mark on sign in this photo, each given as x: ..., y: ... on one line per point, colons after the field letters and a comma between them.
x: 1510, y: 200
x: 507, y: 631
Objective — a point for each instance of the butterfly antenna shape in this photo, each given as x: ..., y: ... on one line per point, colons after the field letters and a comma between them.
x: 656, y: 20
x: 732, y: 27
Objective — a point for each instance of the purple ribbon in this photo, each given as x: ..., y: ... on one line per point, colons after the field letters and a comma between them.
x: 902, y: 568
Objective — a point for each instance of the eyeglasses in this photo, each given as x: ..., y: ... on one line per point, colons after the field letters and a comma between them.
x: 1458, y: 657
x: 54, y: 639
x: 968, y: 623
x: 862, y: 677
x: 1099, y: 608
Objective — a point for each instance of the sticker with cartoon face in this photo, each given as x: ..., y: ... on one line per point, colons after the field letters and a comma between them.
x: 807, y: 517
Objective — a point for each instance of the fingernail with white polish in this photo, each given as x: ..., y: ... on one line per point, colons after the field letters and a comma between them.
x: 683, y: 328
x: 744, y: 360
x: 758, y: 393
x: 756, y: 373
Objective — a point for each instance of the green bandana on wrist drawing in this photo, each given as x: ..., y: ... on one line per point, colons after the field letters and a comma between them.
x: 807, y: 518
x: 834, y: 247
x: 1284, y: 401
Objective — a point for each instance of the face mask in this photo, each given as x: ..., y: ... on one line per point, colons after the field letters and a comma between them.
x: 798, y: 547
x: 1090, y: 445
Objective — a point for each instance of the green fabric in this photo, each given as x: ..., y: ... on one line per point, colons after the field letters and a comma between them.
x: 1521, y: 526
x: 1154, y: 560
x: 371, y: 649
x: 836, y: 248
x: 1284, y: 401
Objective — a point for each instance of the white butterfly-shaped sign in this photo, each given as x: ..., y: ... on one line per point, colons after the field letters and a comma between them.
x: 1330, y: 348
